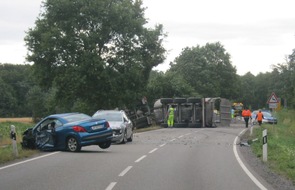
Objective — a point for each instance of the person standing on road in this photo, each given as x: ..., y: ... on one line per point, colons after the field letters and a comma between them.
x: 246, y: 114
x: 170, y: 113
x: 259, y: 117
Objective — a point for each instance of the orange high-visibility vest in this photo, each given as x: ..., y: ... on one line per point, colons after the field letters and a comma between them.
x: 246, y: 113
x: 259, y: 116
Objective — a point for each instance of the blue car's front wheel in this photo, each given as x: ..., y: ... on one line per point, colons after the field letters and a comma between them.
x: 73, y: 145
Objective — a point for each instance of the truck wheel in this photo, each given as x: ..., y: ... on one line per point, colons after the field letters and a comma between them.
x: 166, y: 100
x: 194, y: 100
x: 179, y: 100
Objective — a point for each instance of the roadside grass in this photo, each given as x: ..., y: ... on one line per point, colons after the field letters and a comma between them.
x: 6, y: 150
x: 280, y: 144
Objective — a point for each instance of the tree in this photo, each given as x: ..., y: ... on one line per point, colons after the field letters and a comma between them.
x: 97, y: 51
x: 18, y: 81
x: 7, y: 100
x: 168, y: 85
x: 208, y: 70
x: 284, y: 75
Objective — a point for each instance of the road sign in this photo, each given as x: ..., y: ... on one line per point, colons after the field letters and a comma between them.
x: 273, y: 99
x: 273, y: 105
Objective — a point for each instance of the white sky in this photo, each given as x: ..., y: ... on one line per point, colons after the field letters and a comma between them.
x: 256, y: 33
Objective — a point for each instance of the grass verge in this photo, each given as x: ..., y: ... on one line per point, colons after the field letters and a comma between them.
x: 280, y: 144
x: 6, y: 150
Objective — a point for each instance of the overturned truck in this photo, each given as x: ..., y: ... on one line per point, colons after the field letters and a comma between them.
x: 194, y: 112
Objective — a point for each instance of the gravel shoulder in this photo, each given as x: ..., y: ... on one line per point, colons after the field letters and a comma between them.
x: 277, y: 181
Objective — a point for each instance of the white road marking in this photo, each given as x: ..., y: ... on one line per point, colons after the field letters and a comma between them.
x: 153, y: 150
x: 18, y: 163
x: 251, y: 176
x: 139, y: 159
x: 172, y: 140
x: 180, y: 136
x: 111, y: 186
x: 125, y: 171
x: 162, y: 145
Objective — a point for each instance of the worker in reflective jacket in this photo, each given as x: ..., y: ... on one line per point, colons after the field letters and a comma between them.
x: 247, y: 115
x: 259, y: 117
x: 170, y: 113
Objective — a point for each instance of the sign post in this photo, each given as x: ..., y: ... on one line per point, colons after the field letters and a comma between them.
x: 13, y: 138
x: 273, y: 101
x: 264, y: 146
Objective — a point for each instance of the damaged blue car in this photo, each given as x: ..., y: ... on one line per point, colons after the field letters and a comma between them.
x: 68, y: 131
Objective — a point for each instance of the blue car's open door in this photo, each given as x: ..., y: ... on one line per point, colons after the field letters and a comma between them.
x: 44, y: 140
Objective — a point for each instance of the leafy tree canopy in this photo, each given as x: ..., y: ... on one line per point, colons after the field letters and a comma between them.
x: 96, y: 51
x: 208, y: 70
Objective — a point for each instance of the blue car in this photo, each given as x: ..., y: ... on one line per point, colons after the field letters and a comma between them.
x: 68, y: 131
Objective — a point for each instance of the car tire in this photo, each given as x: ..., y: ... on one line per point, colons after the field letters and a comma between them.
x: 130, y: 139
x: 105, y: 145
x: 73, y: 145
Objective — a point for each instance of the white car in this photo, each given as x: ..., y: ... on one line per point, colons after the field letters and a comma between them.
x: 119, y: 122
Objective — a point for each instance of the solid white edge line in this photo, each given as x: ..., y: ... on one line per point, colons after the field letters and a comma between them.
x: 111, y: 186
x: 153, y: 150
x: 125, y: 171
x: 139, y: 159
x: 251, y: 176
x: 22, y: 162
x: 180, y: 136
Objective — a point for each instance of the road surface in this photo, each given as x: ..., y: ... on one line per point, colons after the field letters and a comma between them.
x: 164, y: 159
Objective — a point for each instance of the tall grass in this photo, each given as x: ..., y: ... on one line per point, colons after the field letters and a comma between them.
x: 280, y: 143
x: 6, y: 150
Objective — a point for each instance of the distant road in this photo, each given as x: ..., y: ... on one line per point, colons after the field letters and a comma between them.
x: 164, y: 159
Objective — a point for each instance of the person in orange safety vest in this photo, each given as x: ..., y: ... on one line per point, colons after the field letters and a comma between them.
x: 259, y: 117
x: 246, y: 114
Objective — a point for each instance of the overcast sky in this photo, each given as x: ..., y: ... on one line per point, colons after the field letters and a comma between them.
x: 256, y: 33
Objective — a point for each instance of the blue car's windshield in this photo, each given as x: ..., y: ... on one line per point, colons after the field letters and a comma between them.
x: 76, y: 117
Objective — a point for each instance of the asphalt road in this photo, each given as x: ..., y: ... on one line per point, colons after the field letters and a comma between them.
x: 172, y: 159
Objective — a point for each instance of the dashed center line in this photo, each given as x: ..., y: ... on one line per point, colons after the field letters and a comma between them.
x: 153, y: 150
x: 162, y: 145
x: 125, y: 171
x: 111, y: 186
x: 139, y: 159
